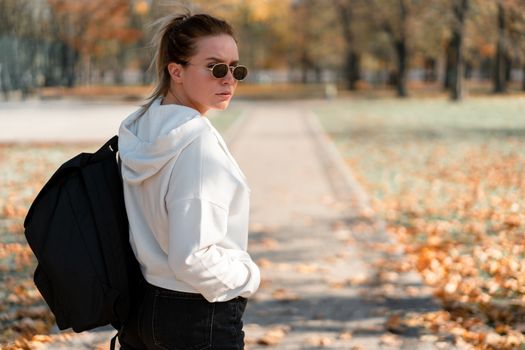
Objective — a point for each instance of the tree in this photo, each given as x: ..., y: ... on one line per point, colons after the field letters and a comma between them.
x: 509, y: 46
x: 517, y: 35
x: 460, y: 9
x: 500, y: 83
x: 427, y: 33
x: 20, y: 48
x: 393, y: 18
x: 346, y: 11
x: 86, y: 38
x: 141, y: 15
x: 303, y: 11
x: 262, y: 27
x: 314, y: 45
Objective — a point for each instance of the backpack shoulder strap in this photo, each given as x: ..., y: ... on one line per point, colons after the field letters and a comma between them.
x: 110, y: 147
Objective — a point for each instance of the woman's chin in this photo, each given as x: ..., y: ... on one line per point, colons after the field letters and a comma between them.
x: 222, y: 105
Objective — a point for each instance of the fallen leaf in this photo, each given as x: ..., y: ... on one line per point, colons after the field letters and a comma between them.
x: 390, y: 340
x: 494, y: 339
x: 345, y: 335
x: 429, y: 338
x: 269, y: 243
x: 273, y: 337
x: 282, y: 294
x: 306, y: 268
x: 263, y: 263
x: 319, y: 341
x: 395, y: 324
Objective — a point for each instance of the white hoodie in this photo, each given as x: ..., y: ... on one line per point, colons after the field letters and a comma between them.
x: 187, y: 202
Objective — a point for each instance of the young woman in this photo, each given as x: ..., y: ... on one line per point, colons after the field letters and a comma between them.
x: 187, y: 199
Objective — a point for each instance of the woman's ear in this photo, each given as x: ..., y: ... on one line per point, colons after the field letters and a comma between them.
x: 175, y: 70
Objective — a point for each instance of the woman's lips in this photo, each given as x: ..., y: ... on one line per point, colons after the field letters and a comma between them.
x: 225, y: 95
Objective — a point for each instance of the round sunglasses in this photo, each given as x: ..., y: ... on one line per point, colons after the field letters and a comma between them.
x: 219, y: 71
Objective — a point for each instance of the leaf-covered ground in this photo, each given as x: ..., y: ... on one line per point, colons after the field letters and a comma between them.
x: 23, y: 312
x: 449, y: 180
x: 25, y: 168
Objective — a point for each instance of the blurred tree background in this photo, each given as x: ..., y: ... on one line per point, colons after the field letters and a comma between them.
x: 401, y: 45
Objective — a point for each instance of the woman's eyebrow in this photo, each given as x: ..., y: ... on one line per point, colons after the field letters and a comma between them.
x: 219, y: 60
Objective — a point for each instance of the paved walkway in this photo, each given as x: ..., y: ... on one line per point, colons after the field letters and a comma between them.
x: 61, y: 120
x: 313, y: 236
x: 316, y: 244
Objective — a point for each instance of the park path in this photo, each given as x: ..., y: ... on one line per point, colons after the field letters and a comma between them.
x: 61, y: 120
x: 317, y: 244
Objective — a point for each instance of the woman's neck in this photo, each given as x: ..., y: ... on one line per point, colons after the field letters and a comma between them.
x: 172, y: 98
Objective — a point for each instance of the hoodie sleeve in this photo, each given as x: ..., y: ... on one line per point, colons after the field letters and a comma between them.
x: 198, y: 200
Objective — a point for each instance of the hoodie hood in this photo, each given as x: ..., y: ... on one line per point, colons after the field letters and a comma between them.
x: 147, y: 142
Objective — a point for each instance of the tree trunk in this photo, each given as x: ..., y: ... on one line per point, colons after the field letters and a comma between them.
x: 64, y: 64
x: 119, y: 67
x: 460, y: 12
x: 401, y: 51
x: 485, y: 68
x: 5, y: 82
x: 68, y: 62
x: 305, y: 67
x: 456, y: 71
x: 468, y: 71
x: 449, y: 63
x: 318, y: 74
x: 508, y: 67
x: 499, y: 66
x: 352, y: 62
x: 523, y: 78
x: 400, y: 48
x: 352, y: 69
x: 144, y: 65
x: 145, y: 76
x: 430, y: 70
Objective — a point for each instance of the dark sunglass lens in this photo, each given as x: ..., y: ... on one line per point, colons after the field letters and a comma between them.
x: 220, y: 70
x: 240, y: 72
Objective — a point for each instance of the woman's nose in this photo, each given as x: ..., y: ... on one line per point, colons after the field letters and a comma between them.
x: 229, y: 77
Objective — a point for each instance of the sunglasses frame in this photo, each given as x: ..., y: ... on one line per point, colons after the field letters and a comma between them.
x: 231, y: 68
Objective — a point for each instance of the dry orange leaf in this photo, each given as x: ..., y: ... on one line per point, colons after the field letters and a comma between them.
x: 345, y: 335
x: 282, y: 294
x: 306, y: 268
x: 273, y: 337
x: 269, y: 243
x: 394, y: 324
x: 390, y: 339
x: 263, y: 262
x: 319, y: 341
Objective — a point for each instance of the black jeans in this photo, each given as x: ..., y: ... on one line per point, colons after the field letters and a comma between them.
x: 171, y: 320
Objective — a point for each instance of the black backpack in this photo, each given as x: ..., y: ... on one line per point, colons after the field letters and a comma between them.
x: 78, y: 230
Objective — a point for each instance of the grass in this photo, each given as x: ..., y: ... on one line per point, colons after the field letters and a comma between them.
x: 449, y: 180
x: 391, y: 130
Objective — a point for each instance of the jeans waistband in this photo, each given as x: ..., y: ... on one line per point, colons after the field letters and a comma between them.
x: 176, y: 293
